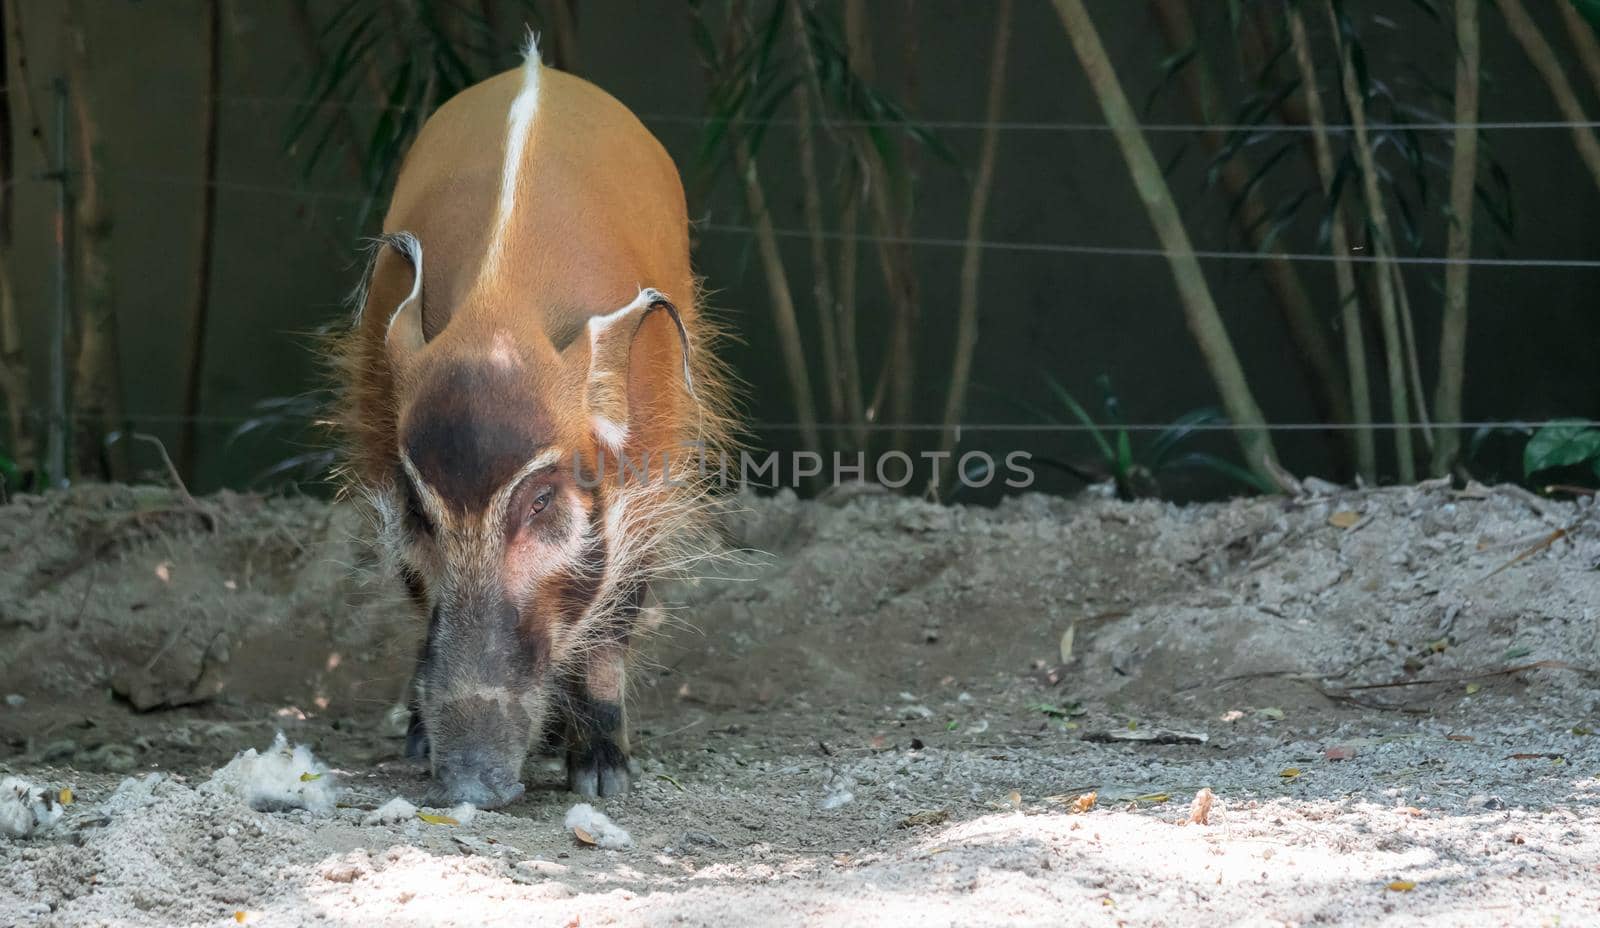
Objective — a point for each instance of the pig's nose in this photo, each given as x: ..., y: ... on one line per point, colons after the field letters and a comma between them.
x: 477, y: 779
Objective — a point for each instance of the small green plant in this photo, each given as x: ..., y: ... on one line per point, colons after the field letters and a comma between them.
x: 1136, y: 469
x: 1563, y: 443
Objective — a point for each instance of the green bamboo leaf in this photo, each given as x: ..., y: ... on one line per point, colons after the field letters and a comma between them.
x: 1280, y: 220
x: 1180, y: 431
x: 1227, y: 469
x: 1260, y: 174
x: 1066, y: 399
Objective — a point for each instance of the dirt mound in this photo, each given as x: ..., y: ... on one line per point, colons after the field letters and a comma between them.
x: 890, y: 714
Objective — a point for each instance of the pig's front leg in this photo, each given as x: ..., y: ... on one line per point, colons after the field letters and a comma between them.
x: 596, y: 722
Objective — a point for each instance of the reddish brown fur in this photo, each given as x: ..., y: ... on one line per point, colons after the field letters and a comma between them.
x: 495, y: 366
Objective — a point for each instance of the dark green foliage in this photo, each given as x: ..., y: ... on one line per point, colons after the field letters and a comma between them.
x: 753, y: 71
x: 1400, y: 96
x: 1563, y: 443
x: 292, y: 415
x: 1136, y: 468
x: 385, y: 66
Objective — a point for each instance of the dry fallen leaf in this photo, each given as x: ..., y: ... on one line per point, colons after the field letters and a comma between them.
x: 432, y: 819
x: 1338, y: 752
x: 1085, y: 802
x: 65, y: 796
x: 239, y: 916
x: 1066, y: 642
x: 308, y: 776
x: 1271, y: 712
x: 1200, y: 809
x: 1289, y: 773
x: 1015, y: 799
x: 1458, y: 737
x: 583, y: 836
x: 1402, y: 886
x: 1473, y: 688
x: 1344, y: 518
x: 1412, y: 811
x: 1153, y: 797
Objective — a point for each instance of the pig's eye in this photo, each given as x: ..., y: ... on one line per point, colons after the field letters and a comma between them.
x: 541, y: 501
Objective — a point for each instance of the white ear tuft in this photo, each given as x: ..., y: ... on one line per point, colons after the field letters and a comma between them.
x: 405, y: 323
x: 610, y: 346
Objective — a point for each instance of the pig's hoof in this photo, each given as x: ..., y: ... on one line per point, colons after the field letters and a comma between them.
x: 598, y: 770
x: 417, y: 746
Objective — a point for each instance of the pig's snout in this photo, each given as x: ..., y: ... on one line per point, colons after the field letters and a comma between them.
x: 475, y: 777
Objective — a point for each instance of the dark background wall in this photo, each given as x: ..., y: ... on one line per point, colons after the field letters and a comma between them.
x: 286, y: 252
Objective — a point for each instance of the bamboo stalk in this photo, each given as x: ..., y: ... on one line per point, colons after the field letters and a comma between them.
x: 1388, y: 303
x: 15, y: 377
x: 811, y: 198
x: 849, y: 257
x: 972, y: 254
x: 1326, y: 381
x: 1544, y: 59
x: 17, y: 49
x: 1355, y: 348
x: 1408, y: 335
x: 1583, y: 38
x: 1200, y: 310
x: 783, y: 314
x: 895, y: 374
x: 200, y: 300
x: 22, y: 446
x: 97, y: 366
x: 1458, y: 243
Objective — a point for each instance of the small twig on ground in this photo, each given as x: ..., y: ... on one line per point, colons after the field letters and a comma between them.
x: 172, y: 471
x: 1536, y: 665
x: 1538, y: 546
x: 1565, y: 531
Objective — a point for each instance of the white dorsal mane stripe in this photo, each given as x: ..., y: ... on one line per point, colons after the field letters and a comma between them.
x: 519, y: 125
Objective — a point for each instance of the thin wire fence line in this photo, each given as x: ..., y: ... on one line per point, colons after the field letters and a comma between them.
x: 225, y: 419
x: 1104, y: 251
x: 974, y: 125
x: 1114, y: 251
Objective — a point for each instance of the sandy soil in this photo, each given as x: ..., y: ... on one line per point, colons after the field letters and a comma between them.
x: 876, y: 723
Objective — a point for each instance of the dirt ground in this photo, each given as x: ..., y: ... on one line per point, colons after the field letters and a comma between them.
x: 892, y: 716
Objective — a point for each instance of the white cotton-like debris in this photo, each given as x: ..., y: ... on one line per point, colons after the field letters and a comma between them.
x: 838, y: 789
x: 392, y: 812
x: 25, y: 808
x: 279, y: 779
x: 463, y: 814
x: 606, y: 833
x: 836, y: 799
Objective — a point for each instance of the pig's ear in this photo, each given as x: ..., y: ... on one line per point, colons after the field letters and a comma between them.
x: 610, y: 349
x: 396, y: 289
